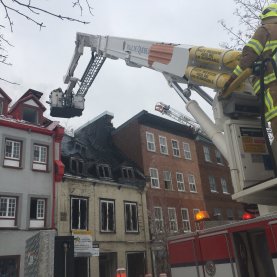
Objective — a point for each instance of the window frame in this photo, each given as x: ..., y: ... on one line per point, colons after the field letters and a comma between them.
x: 129, y: 172
x: 180, y: 182
x: 175, y: 149
x: 148, y: 142
x: 167, y: 180
x: 12, y: 219
x: 38, y: 222
x: 41, y: 166
x: 187, y: 152
x: 131, y: 204
x: 212, y: 184
x: 107, y: 201
x: 156, y: 178
x: 158, y: 220
x: 78, y: 161
x: 224, y: 184
x: 35, y: 109
x: 172, y: 220
x: 163, y: 145
x: 207, y: 154
x: 192, y: 183
x: 79, y: 198
x: 218, y: 157
x: 13, y: 162
x: 103, y: 167
x: 16, y: 258
x: 185, y: 221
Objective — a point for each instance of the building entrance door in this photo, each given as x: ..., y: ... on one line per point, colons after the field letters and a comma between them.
x: 107, y: 264
x: 135, y: 264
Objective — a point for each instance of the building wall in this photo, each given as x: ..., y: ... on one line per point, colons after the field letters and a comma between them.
x: 24, y: 183
x: 217, y: 199
x: 119, y: 242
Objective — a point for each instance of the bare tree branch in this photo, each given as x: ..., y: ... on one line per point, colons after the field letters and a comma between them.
x: 32, y: 13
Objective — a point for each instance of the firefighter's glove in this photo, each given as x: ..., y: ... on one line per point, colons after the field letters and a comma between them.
x: 222, y: 93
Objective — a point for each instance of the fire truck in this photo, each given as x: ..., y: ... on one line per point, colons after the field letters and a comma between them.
x: 246, y: 248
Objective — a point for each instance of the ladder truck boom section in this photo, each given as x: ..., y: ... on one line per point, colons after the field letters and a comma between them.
x: 197, y: 66
x: 236, y: 129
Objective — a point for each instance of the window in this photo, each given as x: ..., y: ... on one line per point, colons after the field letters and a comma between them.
x: 1, y: 107
x: 77, y: 166
x: 224, y: 186
x: 131, y: 217
x: 212, y: 184
x: 218, y: 157
x: 30, y: 114
x: 128, y: 172
x: 150, y: 142
x: 8, y: 207
x: 180, y: 181
x: 9, y: 266
x: 230, y: 214
x: 154, y: 178
x: 217, y: 213
x: 187, y: 152
x: 167, y: 180
x: 173, y: 227
x: 163, y: 145
x: 207, y: 154
x: 175, y: 148
x: 40, y: 157
x: 192, y: 185
x: 104, y: 171
x: 185, y: 220
x: 37, y: 213
x: 107, y: 211
x: 12, y: 153
x: 158, y: 219
x: 79, y: 213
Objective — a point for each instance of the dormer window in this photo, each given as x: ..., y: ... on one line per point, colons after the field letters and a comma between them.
x: 30, y: 114
x: 77, y: 166
x: 128, y: 172
x: 104, y: 171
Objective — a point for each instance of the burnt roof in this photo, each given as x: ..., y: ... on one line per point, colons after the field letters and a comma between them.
x: 93, y: 144
x: 162, y: 124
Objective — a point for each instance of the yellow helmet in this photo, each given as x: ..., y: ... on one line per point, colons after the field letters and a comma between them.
x: 269, y: 11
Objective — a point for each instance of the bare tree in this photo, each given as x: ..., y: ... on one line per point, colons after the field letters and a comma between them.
x: 33, y: 13
x: 247, y: 12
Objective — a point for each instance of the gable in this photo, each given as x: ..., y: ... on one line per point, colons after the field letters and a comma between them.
x: 31, y: 102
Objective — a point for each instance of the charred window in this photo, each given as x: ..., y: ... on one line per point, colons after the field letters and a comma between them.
x: 30, y: 114
x: 107, y: 211
x: 131, y: 217
x: 128, y: 172
x: 77, y: 166
x: 104, y: 171
x: 79, y: 213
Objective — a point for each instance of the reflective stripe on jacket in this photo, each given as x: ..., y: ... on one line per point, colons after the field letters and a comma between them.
x: 259, y: 47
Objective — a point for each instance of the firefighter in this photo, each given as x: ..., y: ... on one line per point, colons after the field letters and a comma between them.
x: 261, y: 46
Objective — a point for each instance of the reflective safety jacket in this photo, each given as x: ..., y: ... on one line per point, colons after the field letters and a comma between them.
x: 259, y: 47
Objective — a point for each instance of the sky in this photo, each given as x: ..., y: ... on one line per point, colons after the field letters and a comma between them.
x: 40, y: 58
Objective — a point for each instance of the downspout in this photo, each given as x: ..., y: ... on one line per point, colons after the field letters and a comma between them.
x: 54, y: 184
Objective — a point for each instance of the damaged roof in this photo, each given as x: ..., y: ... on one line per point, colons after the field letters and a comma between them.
x: 92, y: 146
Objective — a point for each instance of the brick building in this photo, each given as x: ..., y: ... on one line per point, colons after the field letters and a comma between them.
x: 182, y: 166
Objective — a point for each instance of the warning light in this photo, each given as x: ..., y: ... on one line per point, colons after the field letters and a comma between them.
x: 202, y: 215
x: 247, y: 216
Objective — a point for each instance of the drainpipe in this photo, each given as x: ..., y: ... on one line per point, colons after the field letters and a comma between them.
x: 54, y: 183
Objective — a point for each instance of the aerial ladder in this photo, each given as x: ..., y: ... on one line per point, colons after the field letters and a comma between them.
x: 236, y: 129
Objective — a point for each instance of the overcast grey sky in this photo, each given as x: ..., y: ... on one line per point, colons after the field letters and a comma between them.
x: 41, y: 57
